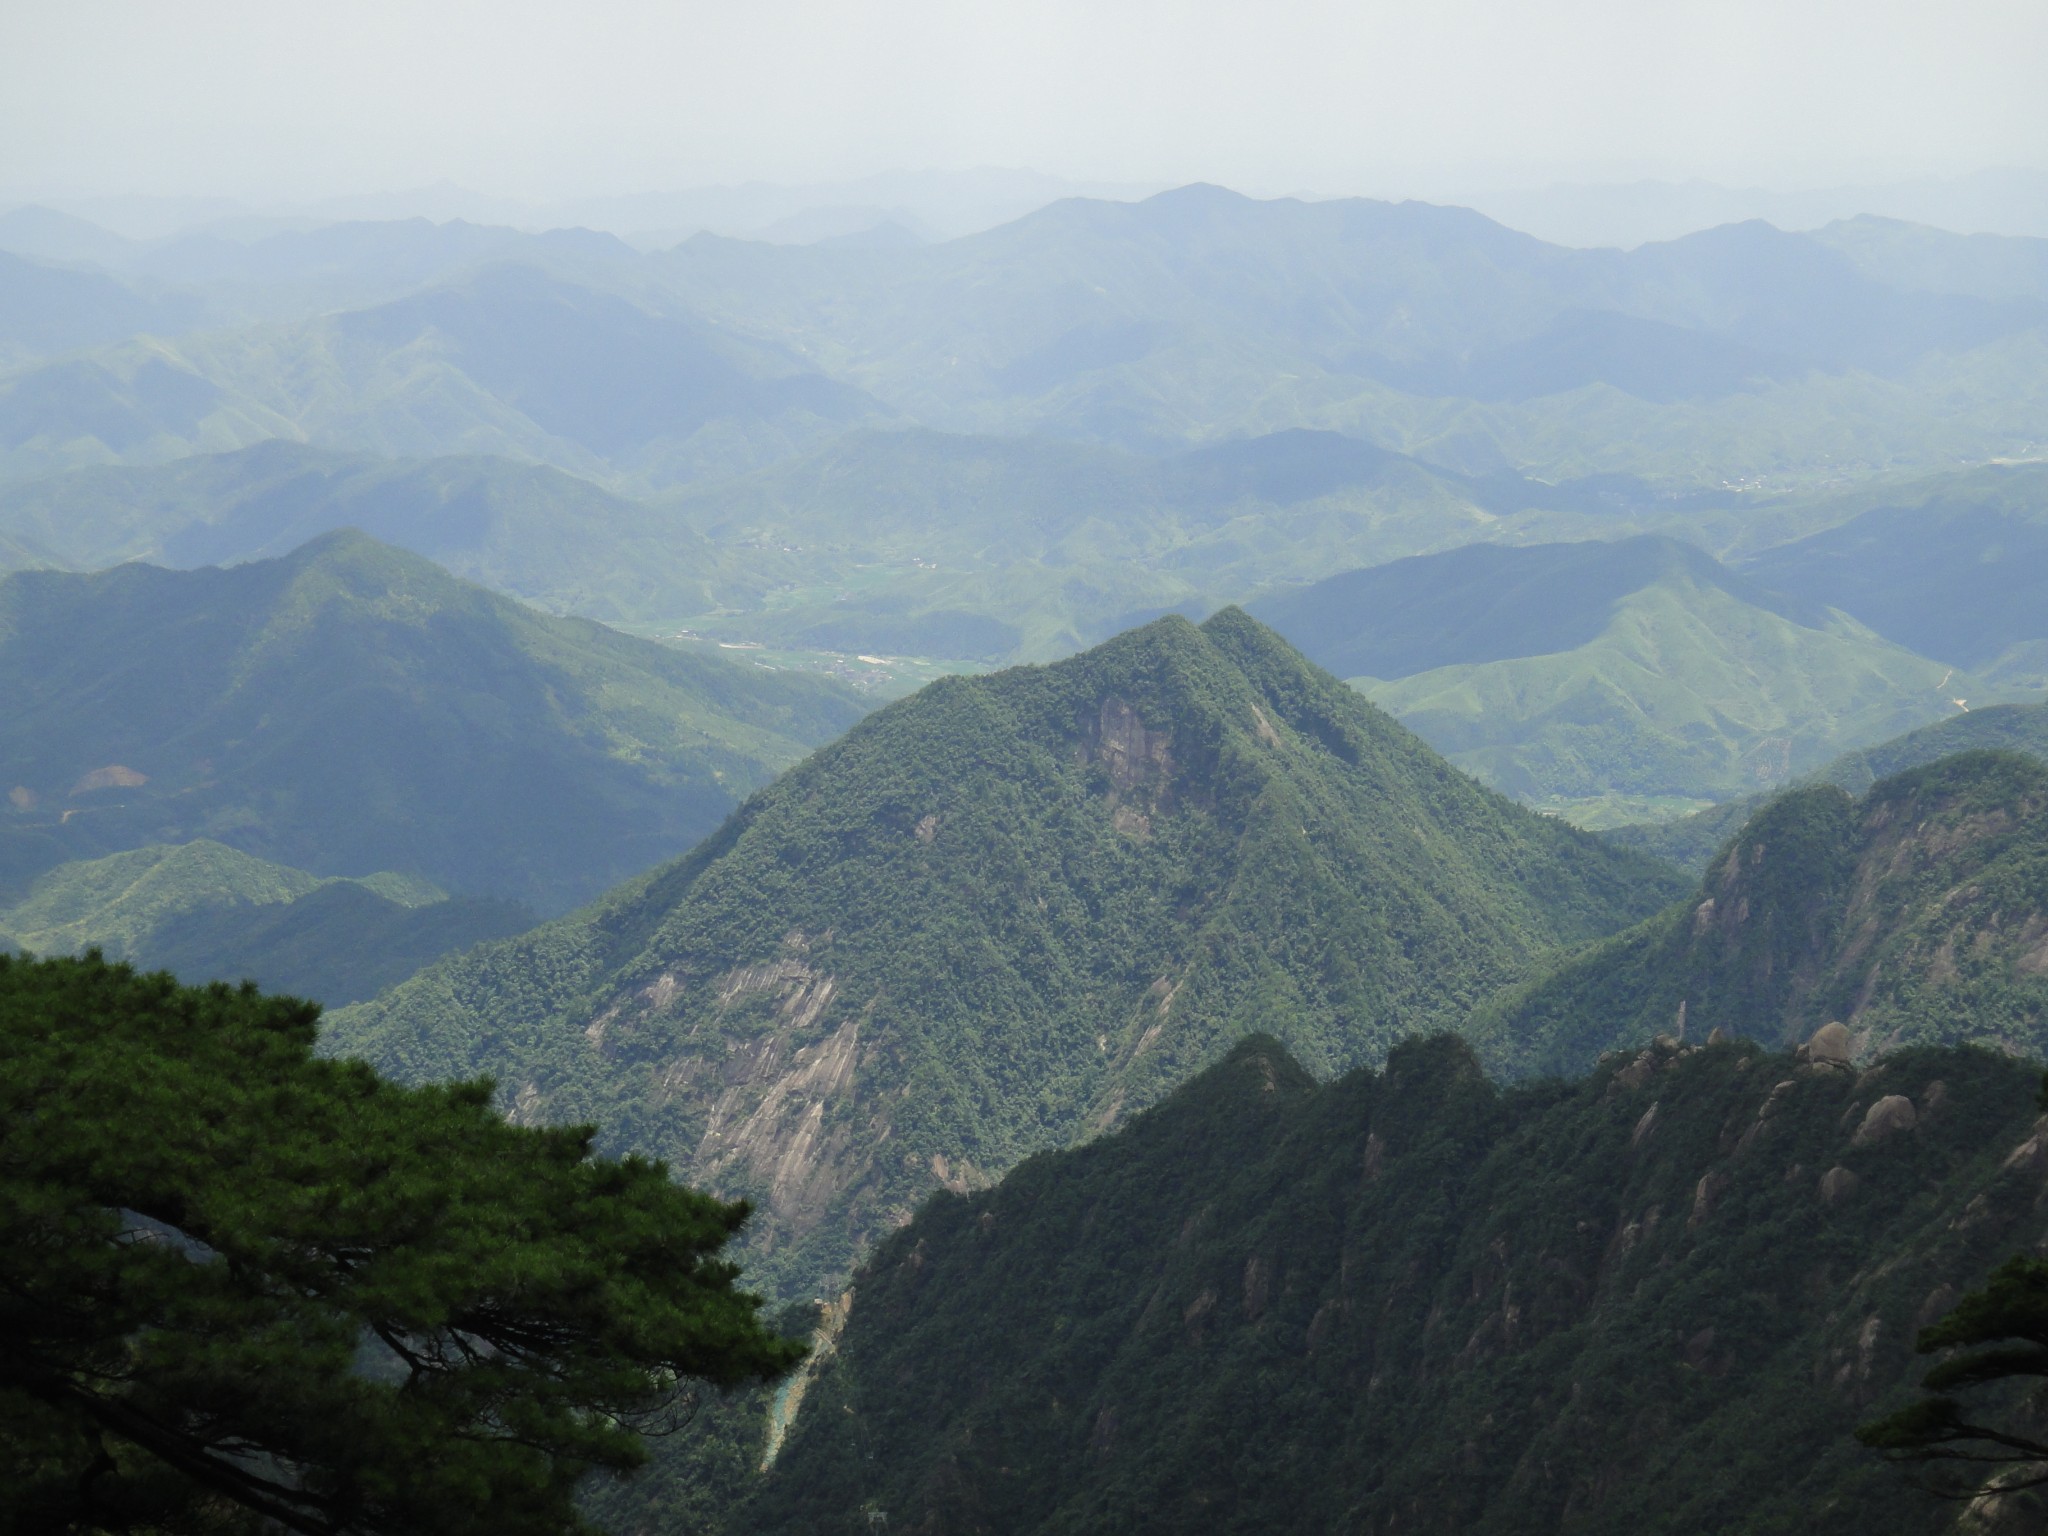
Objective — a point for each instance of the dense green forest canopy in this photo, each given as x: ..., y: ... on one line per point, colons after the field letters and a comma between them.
x: 1659, y: 1298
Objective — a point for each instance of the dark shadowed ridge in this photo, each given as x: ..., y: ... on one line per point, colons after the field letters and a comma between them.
x: 1656, y: 1300
x: 352, y: 708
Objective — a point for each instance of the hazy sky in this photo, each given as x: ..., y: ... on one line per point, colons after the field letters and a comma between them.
x: 530, y: 99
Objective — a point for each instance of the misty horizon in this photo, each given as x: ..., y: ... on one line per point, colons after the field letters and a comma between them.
x: 269, y: 106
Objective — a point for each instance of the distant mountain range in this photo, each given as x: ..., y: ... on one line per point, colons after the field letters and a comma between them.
x: 1193, y: 316
x: 351, y: 709
x: 903, y: 541
x: 506, y: 360
x: 523, y: 529
x: 2000, y: 203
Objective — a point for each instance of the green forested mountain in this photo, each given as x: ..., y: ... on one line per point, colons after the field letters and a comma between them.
x: 1917, y: 913
x: 350, y: 709
x: 1002, y: 914
x: 1601, y: 678
x: 1656, y: 1300
x: 208, y: 913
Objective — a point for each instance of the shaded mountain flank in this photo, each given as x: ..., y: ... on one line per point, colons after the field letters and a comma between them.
x: 351, y: 708
x: 1958, y: 572
x: 1655, y: 1300
x: 1001, y: 915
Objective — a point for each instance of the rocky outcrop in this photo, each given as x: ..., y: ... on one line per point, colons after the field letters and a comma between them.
x: 1888, y: 1117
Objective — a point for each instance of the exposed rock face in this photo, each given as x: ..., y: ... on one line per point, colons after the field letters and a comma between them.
x: 1887, y: 1117
x: 1830, y: 1045
x: 1133, y: 754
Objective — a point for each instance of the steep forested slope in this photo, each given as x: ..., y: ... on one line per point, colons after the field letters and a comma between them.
x: 1000, y: 915
x: 351, y: 709
x: 1657, y: 1300
x: 1918, y: 913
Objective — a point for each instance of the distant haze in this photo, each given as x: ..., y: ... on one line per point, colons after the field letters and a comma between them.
x: 545, y: 103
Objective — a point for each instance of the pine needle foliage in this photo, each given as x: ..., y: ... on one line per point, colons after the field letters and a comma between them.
x: 243, y: 1287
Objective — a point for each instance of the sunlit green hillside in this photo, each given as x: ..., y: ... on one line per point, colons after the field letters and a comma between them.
x: 1687, y: 694
x: 208, y: 912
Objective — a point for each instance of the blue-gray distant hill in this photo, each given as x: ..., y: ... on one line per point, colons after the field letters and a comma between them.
x: 351, y: 708
x: 1157, y: 322
x: 1956, y: 569
x: 508, y: 359
x: 1604, y: 678
x: 47, y: 309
